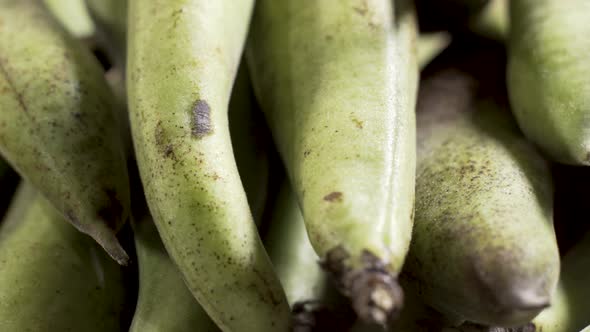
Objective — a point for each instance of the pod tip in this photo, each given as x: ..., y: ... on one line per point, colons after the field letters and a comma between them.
x: 375, y: 294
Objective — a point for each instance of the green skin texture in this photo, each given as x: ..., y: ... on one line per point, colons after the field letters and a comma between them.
x: 57, y: 128
x: 74, y: 16
x: 569, y: 308
x: 182, y: 58
x: 483, y: 246
x: 164, y: 302
x: 52, y: 277
x: 337, y: 81
x: 110, y: 17
x: 549, y: 75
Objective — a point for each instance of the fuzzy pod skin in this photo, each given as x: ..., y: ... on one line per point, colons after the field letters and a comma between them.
x: 569, y: 307
x: 110, y: 18
x: 339, y: 96
x: 164, y: 302
x: 57, y: 127
x: 483, y: 247
x: 74, y: 16
x: 52, y: 277
x: 549, y: 75
x: 182, y: 60
x: 249, y: 137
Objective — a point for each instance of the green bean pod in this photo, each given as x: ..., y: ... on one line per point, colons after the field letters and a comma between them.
x: 52, y: 277
x: 549, y: 75
x: 164, y: 302
x: 337, y: 81
x: 182, y: 61
x: 57, y: 127
x: 315, y: 303
x: 483, y: 246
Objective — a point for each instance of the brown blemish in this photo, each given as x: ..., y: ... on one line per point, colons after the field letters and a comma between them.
x: 358, y: 123
x: 201, y: 119
x: 306, y: 153
x: 333, y: 196
x: 164, y: 146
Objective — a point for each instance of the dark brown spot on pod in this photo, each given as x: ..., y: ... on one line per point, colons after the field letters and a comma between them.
x: 201, y: 119
x: 333, y: 196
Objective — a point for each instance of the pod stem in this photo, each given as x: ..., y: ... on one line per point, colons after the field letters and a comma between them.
x: 375, y: 293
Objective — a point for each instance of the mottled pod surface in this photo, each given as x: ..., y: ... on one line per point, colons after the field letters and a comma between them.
x: 483, y: 246
x: 182, y: 60
x: 549, y: 75
x: 52, y: 277
x: 57, y: 126
x: 337, y: 81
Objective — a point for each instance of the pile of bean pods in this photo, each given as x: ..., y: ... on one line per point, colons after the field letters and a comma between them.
x: 294, y: 165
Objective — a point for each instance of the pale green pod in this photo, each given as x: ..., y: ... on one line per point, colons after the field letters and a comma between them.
x: 164, y: 302
x: 315, y: 303
x: 549, y: 75
x: 57, y: 127
x: 110, y: 18
x: 182, y: 60
x: 337, y: 81
x: 483, y: 247
x: 74, y: 16
x: 52, y: 277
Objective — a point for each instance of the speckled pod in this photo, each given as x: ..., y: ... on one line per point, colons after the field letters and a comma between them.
x: 52, y: 277
x: 57, y: 127
x: 182, y: 60
x: 483, y: 246
x: 164, y: 302
x: 549, y: 75
x: 110, y: 17
x: 337, y: 81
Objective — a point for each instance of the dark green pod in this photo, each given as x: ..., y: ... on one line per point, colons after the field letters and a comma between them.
x: 52, y: 277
